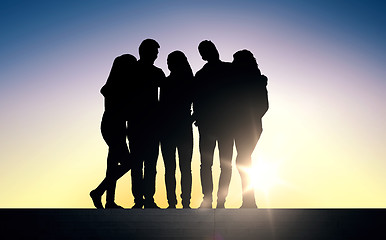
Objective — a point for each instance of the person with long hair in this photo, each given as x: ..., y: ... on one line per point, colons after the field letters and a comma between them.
x: 177, y: 132
x: 249, y: 106
x: 114, y: 128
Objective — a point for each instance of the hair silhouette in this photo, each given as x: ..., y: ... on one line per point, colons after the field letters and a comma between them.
x: 148, y: 50
x: 208, y: 51
x: 178, y: 64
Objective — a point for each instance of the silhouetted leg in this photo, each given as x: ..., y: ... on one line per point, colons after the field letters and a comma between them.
x: 137, y: 182
x: 207, y: 145
x: 112, y: 164
x: 169, y: 156
x: 245, y: 144
x: 114, y: 133
x: 150, y: 171
x: 185, y: 152
x: 120, y: 163
x: 225, y: 146
x: 137, y: 171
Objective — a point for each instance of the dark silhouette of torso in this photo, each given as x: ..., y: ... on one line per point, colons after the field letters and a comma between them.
x: 176, y: 99
x: 144, y: 105
x: 211, y: 103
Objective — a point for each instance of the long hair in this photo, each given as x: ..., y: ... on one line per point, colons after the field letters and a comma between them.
x: 178, y: 64
x: 245, y: 60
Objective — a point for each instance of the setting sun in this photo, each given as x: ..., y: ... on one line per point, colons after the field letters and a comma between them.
x: 264, y: 175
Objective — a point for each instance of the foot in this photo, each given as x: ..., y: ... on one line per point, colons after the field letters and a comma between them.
x: 150, y: 205
x: 186, y: 206
x: 206, y: 204
x: 221, y: 204
x: 171, y: 206
x: 138, y: 205
x: 186, y: 203
x: 96, y: 199
x: 113, y: 205
x: 248, y: 205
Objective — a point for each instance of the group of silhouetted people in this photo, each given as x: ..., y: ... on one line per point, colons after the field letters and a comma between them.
x: 144, y: 109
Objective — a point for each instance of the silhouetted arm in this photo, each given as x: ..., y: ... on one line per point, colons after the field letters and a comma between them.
x: 263, y: 103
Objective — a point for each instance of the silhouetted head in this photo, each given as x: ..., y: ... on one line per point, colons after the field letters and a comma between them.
x: 128, y: 58
x: 208, y: 51
x: 244, y: 59
x: 178, y: 63
x: 148, y: 50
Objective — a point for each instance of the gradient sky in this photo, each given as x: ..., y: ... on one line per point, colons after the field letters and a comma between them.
x: 324, y: 134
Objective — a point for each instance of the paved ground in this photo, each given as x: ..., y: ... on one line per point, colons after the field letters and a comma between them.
x: 215, y: 224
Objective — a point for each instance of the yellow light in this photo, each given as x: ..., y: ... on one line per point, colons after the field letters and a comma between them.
x: 264, y: 175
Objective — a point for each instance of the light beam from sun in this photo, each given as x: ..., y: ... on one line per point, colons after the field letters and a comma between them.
x: 264, y: 175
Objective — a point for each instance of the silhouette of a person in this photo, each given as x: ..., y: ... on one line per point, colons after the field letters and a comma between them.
x: 113, y: 128
x: 210, y: 105
x: 177, y: 133
x: 143, y: 126
x: 250, y: 105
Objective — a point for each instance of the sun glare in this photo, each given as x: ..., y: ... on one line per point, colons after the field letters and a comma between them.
x: 264, y: 175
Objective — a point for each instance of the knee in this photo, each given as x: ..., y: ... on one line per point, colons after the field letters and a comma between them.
x: 226, y: 166
x: 206, y: 164
x: 186, y: 170
x: 243, y: 160
x: 170, y: 169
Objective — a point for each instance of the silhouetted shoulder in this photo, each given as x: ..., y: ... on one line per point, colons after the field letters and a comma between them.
x: 159, y: 71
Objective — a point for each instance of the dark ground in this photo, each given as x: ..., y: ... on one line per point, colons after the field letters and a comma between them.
x: 193, y: 224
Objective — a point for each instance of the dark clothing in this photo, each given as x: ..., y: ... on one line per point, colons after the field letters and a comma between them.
x: 211, y: 101
x: 143, y: 130
x: 116, y: 91
x: 212, y: 114
x: 180, y: 139
x: 250, y: 105
x: 250, y: 99
x: 207, y: 144
x: 114, y: 133
x: 113, y: 125
x: 177, y: 134
x: 144, y: 147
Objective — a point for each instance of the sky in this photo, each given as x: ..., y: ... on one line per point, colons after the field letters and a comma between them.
x: 323, y: 144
